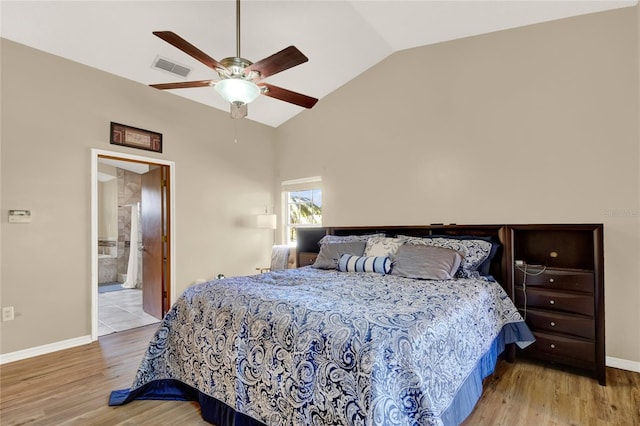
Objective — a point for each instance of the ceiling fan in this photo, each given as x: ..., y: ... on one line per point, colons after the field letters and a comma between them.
x: 240, y: 80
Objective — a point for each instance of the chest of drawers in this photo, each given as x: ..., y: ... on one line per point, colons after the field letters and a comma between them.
x: 559, y: 307
x: 562, y: 301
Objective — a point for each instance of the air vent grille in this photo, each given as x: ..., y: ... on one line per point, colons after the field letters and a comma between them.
x: 170, y: 66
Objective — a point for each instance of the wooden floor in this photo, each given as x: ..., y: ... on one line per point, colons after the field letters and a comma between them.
x: 72, y: 387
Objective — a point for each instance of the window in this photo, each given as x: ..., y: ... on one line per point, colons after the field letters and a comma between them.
x: 303, y: 205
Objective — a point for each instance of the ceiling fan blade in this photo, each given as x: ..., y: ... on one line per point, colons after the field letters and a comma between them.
x: 183, y: 84
x: 283, y: 60
x: 289, y: 96
x: 188, y: 48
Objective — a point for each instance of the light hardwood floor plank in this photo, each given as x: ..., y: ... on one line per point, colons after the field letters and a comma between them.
x: 72, y: 387
x: 531, y: 393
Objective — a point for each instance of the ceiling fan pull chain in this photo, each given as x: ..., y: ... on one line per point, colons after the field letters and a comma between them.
x: 235, y: 132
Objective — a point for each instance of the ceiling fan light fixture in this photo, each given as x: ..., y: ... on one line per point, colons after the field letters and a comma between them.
x: 237, y: 90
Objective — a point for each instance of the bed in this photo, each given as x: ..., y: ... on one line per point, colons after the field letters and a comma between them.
x: 376, y: 336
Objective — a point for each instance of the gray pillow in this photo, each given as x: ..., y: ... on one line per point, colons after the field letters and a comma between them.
x: 426, y: 262
x: 331, y: 252
x: 474, y: 251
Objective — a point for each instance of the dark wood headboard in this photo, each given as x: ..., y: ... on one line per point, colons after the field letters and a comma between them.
x: 308, y: 239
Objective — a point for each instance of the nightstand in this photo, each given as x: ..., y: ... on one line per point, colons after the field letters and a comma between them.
x: 307, y: 247
x: 306, y: 258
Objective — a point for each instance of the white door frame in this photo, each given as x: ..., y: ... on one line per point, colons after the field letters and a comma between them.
x: 95, y: 153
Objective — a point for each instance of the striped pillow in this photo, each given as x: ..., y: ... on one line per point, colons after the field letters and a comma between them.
x: 350, y: 263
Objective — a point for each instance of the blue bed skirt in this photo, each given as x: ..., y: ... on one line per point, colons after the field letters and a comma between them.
x: 469, y: 393
x: 219, y: 413
x: 212, y: 410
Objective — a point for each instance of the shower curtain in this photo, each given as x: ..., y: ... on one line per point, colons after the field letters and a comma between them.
x: 132, y: 268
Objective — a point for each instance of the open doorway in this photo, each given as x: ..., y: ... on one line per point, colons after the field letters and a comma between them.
x: 132, y: 207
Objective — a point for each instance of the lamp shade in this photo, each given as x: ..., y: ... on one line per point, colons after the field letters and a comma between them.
x: 266, y: 221
x: 237, y: 90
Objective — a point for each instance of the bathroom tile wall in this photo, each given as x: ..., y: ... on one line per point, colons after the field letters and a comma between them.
x: 107, y: 261
x: 107, y: 270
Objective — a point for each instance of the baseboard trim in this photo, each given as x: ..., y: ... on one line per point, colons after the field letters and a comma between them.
x: 44, y: 349
x: 623, y: 364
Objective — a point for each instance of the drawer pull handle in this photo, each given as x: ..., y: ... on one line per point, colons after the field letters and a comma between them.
x: 552, y: 302
x: 551, y: 280
x: 553, y: 324
x: 553, y: 346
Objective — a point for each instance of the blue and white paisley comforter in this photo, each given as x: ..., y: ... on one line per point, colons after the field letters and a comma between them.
x: 307, y: 346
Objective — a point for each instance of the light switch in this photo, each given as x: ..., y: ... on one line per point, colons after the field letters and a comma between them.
x: 7, y: 313
x: 19, y: 216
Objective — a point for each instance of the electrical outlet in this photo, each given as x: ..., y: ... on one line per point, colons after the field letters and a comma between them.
x: 7, y: 313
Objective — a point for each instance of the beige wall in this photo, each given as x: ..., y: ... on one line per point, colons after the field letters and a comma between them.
x: 531, y: 125
x: 53, y: 112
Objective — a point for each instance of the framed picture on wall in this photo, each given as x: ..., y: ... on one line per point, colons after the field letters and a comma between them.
x: 134, y: 137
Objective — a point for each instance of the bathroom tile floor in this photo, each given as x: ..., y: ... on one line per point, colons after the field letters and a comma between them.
x: 121, y: 310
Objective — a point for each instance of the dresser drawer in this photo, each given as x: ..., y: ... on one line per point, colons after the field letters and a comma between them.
x: 307, y: 258
x: 555, y: 300
x: 574, y: 351
x: 554, y: 278
x: 561, y: 323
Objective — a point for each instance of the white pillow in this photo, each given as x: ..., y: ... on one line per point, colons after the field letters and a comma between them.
x: 383, y: 246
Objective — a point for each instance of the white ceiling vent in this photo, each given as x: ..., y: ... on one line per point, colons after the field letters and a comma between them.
x: 168, y: 65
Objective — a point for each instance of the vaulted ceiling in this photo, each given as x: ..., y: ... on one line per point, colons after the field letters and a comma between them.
x: 341, y: 38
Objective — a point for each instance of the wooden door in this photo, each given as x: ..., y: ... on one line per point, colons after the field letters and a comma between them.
x: 153, y: 224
